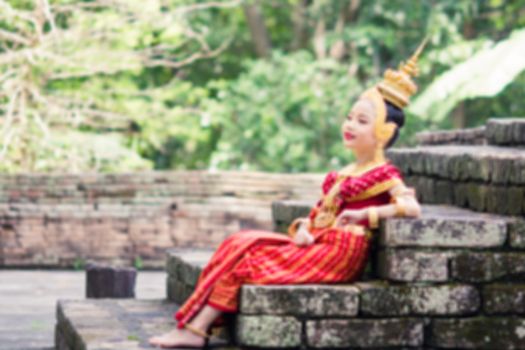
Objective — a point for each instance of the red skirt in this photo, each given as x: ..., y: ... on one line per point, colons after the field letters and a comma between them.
x: 265, y: 257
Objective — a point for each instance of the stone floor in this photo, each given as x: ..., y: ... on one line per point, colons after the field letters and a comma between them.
x: 28, y: 302
x: 116, y: 324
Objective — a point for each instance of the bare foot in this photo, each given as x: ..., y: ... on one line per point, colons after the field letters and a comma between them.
x: 177, y: 337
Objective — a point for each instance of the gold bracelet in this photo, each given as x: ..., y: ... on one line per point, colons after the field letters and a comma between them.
x: 294, y: 226
x: 400, y: 207
x: 373, y: 217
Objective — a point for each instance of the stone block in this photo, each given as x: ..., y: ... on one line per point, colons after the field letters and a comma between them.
x: 478, y: 333
x: 184, y: 267
x: 310, y: 300
x: 506, y: 131
x: 461, y: 194
x: 443, y: 192
x: 425, y: 188
x: 268, y: 331
x: 504, y: 298
x: 285, y: 211
x: 364, y: 333
x: 446, y: 137
x: 477, y: 163
x: 186, y: 264
x: 477, y: 196
x: 517, y: 233
x: 517, y: 175
x: 408, y: 265
x: 177, y: 291
x: 507, y: 200
x: 398, y: 300
x: 444, y: 226
x: 488, y: 266
x: 110, y: 281
x: 280, y: 227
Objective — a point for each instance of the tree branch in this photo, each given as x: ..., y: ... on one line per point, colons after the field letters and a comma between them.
x: 13, y: 37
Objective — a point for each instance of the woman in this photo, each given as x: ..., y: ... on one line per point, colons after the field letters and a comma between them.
x: 331, y: 245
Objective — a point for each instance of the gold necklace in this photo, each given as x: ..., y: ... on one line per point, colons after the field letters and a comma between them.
x: 326, y: 215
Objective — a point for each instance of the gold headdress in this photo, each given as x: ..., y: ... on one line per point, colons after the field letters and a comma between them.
x: 396, y: 88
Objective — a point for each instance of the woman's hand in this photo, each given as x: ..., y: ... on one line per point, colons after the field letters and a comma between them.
x: 405, y: 199
x: 303, y: 237
x: 350, y: 216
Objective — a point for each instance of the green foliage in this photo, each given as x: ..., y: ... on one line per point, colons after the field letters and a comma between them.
x: 124, y: 87
x: 283, y: 114
x: 138, y: 263
x: 485, y: 74
x: 133, y: 337
x: 79, y: 264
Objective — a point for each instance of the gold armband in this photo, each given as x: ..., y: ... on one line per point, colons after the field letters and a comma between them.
x: 373, y: 217
x: 404, y: 191
x: 400, y: 207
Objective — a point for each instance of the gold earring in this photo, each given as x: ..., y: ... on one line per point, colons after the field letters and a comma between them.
x: 379, y: 154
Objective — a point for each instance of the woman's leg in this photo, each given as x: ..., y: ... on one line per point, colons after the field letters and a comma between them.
x: 179, y: 336
x: 205, y: 317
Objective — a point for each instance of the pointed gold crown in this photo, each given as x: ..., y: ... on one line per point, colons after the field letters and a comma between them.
x: 397, y: 85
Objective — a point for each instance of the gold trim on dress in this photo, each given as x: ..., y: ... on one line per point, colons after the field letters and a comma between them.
x: 326, y: 215
x: 373, y: 217
x: 375, y: 190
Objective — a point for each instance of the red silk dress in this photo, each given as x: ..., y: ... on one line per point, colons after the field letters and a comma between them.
x: 263, y: 257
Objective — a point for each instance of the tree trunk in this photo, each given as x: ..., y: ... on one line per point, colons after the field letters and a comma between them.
x: 348, y: 15
x: 299, y: 25
x: 258, y: 29
x: 459, y: 115
x: 319, y: 39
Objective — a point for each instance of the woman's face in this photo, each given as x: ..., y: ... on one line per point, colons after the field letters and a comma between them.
x: 358, y: 127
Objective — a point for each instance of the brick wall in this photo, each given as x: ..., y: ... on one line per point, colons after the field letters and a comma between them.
x: 65, y: 220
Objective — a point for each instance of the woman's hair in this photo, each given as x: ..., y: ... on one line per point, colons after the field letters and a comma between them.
x: 396, y: 115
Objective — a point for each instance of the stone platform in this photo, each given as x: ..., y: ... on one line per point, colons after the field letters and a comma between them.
x: 110, y: 324
x: 451, y: 279
x: 447, y: 315
x: 435, y: 282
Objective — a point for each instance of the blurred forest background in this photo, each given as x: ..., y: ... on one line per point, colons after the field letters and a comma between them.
x: 125, y: 85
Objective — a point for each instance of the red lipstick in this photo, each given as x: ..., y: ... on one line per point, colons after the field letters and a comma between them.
x: 348, y: 135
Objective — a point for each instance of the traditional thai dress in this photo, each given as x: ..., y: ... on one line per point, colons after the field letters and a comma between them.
x: 252, y: 256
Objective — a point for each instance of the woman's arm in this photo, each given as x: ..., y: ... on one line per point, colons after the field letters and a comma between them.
x: 404, y: 204
x: 404, y: 201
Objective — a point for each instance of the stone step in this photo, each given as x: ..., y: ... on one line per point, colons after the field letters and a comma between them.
x: 445, y: 226
x: 483, y: 178
x: 183, y: 266
x: 497, y: 131
x: 400, y: 315
x: 104, y: 324
x: 430, y: 248
x: 359, y: 299
x: 506, y: 131
x: 467, y: 136
x: 346, y: 299
x: 468, y: 163
x: 439, y: 226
